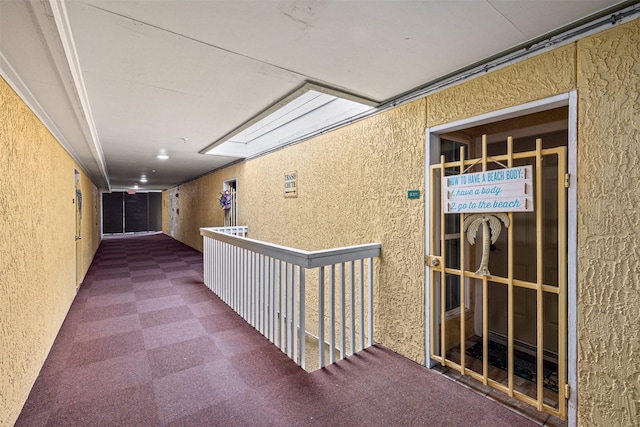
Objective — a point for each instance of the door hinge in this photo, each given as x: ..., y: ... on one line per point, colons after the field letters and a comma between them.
x: 567, y: 180
x: 567, y: 391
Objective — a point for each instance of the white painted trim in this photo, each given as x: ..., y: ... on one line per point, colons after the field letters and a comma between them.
x: 569, y: 99
x: 19, y: 86
x: 432, y: 154
x: 572, y: 262
x: 226, y: 182
x: 61, y: 19
x: 504, y: 114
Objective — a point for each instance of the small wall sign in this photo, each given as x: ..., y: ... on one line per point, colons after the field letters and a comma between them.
x: 291, y: 184
x: 413, y: 194
x: 502, y: 190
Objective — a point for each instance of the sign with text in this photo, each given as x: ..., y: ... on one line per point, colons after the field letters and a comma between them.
x: 291, y: 184
x: 501, y: 190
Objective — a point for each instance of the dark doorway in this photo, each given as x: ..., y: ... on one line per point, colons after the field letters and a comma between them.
x: 130, y: 213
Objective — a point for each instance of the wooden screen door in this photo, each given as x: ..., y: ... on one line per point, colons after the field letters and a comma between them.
x: 505, y: 326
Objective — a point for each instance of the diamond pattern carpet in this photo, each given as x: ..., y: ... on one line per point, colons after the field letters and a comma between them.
x: 145, y: 343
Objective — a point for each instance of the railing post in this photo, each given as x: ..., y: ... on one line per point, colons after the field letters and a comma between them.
x: 267, y: 296
x: 247, y: 288
x: 370, y: 302
x: 260, y: 323
x: 205, y: 262
x: 254, y: 289
x: 232, y: 276
x: 361, y: 305
x: 225, y: 268
x: 272, y: 293
x: 250, y: 284
x: 321, y: 318
x: 276, y: 302
x: 295, y: 318
x: 352, y: 301
x: 343, y: 339
x: 301, y: 315
x: 332, y: 315
x: 243, y: 281
x: 260, y: 282
x: 216, y: 267
x: 289, y: 310
x: 283, y: 300
x: 224, y: 272
x: 237, y: 278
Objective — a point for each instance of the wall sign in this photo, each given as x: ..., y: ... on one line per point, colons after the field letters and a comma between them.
x: 501, y: 190
x: 413, y: 194
x: 291, y: 184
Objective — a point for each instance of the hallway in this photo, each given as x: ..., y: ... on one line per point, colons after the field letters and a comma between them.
x: 145, y: 343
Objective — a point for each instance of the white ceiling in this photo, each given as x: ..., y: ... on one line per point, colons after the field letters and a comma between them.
x: 117, y: 82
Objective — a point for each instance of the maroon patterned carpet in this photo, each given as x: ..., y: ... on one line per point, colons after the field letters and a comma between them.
x: 145, y: 343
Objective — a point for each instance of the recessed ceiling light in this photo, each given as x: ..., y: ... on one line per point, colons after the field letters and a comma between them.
x: 162, y: 156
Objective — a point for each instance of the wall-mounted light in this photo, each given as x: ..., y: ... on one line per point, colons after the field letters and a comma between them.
x: 143, y: 179
x: 162, y: 156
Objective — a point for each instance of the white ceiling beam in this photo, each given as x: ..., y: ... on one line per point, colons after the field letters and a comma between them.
x: 59, y: 13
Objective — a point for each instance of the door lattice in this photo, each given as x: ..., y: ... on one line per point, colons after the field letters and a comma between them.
x: 509, y: 328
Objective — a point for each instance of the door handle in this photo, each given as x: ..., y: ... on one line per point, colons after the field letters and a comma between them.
x: 433, y: 261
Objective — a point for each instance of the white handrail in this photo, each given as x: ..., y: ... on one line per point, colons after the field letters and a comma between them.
x: 299, y: 257
x: 266, y: 285
x: 235, y: 230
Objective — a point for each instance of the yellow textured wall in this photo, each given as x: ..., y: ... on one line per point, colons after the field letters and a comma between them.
x: 195, y: 205
x: 352, y: 189
x: 607, y: 76
x: 609, y: 228
x: 539, y: 77
x: 37, y: 246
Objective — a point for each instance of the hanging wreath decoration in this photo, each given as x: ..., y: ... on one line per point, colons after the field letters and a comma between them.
x: 225, y: 200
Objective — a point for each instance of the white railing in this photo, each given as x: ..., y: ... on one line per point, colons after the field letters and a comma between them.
x: 266, y: 285
x: 235, y: 230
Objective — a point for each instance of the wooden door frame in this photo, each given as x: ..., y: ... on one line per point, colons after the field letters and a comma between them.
x: 432, y: 149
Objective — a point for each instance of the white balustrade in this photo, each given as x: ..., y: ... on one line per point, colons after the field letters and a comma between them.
x: 236, y: 230
x: 266, y: 285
